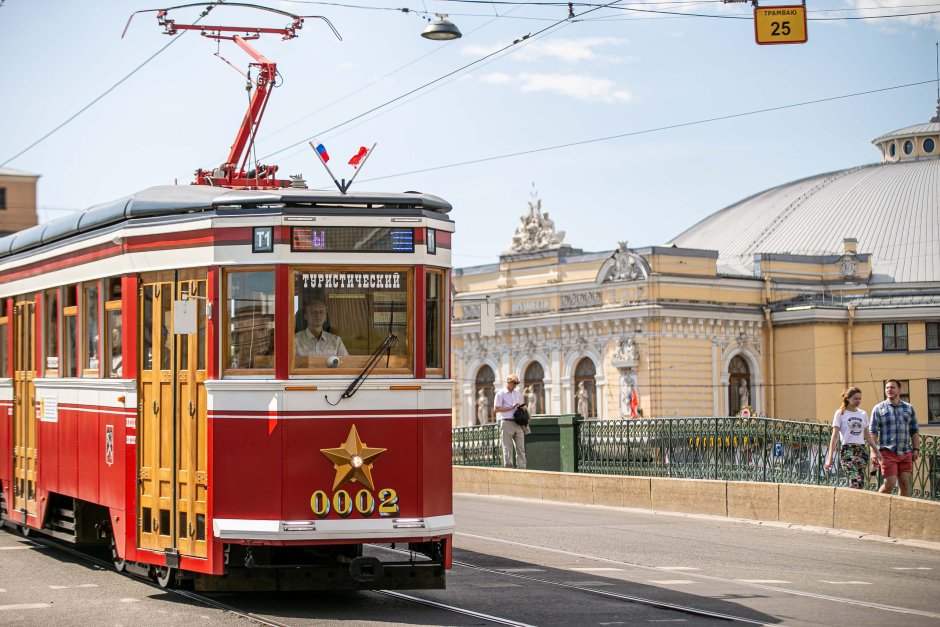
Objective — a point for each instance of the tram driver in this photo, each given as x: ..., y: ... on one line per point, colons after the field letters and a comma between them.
x: 314, y: 339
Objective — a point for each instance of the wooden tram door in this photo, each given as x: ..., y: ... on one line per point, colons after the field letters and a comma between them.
x: 24, y: 408
x: 171, y: 433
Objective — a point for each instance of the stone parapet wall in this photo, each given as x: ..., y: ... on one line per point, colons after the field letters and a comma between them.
x: 820, y: 506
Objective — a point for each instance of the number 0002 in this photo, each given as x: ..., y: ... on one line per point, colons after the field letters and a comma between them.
x: 344, y: 504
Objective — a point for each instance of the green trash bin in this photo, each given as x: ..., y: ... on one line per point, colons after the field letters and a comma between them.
x: 551, y: 445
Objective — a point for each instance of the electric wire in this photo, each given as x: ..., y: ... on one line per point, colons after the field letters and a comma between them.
x: 421, y: 87
x: 109, y: 89
x: 646, y: 131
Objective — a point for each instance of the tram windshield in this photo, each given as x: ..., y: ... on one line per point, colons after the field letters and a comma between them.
x: 342, y: 315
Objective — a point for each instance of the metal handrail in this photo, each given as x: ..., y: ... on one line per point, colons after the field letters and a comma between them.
x: 723, y: 448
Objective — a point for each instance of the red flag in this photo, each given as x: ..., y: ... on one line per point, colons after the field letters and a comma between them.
x: 357, y: 158
x: 634, y: 402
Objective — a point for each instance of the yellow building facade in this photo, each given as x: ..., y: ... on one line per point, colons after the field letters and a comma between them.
x: 771, y: 306
x: 17, y: 201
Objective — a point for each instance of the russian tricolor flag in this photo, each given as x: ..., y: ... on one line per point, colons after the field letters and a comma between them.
x: 321, y: 150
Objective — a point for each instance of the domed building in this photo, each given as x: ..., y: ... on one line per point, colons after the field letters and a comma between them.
x: 770, y: 306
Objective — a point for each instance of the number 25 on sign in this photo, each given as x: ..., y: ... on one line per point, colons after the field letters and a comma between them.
x: 780, y: 24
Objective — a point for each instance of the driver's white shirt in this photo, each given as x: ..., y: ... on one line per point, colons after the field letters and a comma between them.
x: 328, y: 344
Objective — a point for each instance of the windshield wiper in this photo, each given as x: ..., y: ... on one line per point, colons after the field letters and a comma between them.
x: 390, y: 342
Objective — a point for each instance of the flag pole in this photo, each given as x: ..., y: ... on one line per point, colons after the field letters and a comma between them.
x: 328, y: 170
x: 359, y: 169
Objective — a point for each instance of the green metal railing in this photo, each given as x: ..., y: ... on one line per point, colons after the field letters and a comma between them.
x: 729, y: 448
x: 477, y: 446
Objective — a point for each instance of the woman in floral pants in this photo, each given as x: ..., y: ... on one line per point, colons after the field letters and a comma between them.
x: 850, y: 424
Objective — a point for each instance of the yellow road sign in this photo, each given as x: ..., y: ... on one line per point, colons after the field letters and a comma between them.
x: 780, y: 24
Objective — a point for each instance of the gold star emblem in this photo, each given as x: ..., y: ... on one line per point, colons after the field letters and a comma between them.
x: 353, y: 460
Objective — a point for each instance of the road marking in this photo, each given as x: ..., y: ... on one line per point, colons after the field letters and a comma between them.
x: 587, y: 583
x: 81, y: 585
x: 599, y: 570
x: 130, y: 600
x: 498, y: 585
x: 842, y: 583
x: 15, y: 548
x: 763, y: 581
x: 497, y: 620
x: 789, y: 591
x: 676, y: 568
x: 25, y: 606
x: 911, y: 568
x: 672, y: 582
x: 522, y: 570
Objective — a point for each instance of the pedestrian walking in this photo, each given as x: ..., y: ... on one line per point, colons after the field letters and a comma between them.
x: 894, y: 427
x: 850, y: 425
x: 512, y: 434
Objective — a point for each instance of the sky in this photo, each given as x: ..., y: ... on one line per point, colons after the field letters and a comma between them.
x: 630, y: 122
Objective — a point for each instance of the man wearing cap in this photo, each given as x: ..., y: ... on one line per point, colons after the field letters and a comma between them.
x: 513, y: 434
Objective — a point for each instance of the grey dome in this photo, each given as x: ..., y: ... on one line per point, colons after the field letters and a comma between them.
x: 892, y: 209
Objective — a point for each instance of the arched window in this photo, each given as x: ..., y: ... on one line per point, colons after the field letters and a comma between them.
x: 585, y: 392
x: 483, y: 394
x: 533, y: 390
x: 739, y: 385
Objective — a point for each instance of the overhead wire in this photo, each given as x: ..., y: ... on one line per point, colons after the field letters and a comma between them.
x: 109, y: 89
x: 516, y: 42
x: 650, y: 130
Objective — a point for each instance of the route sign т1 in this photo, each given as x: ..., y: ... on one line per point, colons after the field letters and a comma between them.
x: 780, y: 24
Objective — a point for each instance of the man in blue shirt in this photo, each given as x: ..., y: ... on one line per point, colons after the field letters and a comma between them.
x: 894, y: 427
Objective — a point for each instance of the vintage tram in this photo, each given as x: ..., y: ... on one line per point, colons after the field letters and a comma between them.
x: 162, y: 388
x: 236, y: 384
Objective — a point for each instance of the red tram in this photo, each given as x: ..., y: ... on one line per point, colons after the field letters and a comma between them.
x: 237, y: 384
x: 162, y: 388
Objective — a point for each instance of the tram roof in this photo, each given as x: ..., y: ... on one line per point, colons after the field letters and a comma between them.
x: 167, y: 200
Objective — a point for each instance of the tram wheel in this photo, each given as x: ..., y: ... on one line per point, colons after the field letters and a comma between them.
x: 164, y: 576
x: 120, y: 564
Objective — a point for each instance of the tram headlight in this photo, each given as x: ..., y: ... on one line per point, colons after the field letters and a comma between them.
x: 332, y: 362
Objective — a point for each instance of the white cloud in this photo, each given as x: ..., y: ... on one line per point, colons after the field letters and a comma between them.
x: 870, y: 8
x: 567, y: 50
x: 496, y: 78
x: 579, y: 87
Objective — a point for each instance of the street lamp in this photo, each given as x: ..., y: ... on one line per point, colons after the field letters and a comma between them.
x: 441, y: 30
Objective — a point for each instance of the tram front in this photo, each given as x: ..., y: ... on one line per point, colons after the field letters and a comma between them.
x: 329, y: 423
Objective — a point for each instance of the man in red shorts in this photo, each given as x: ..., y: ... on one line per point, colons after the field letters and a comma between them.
x: 894, y: 427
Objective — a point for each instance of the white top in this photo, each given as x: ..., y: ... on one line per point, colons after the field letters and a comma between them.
x: 327, y: 344
x: 852, y: 425
x: 505, y: 398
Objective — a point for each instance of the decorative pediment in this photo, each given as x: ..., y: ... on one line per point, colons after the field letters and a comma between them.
x: 624, y: 265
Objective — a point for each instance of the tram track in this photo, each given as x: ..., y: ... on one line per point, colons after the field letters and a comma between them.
x: 256, y: 619
x: 38, y: 538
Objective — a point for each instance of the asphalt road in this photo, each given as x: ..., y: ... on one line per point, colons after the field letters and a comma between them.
x: 523, y: 562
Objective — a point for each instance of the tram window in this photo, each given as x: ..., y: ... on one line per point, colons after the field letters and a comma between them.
x: 147, y: 331
x: 51, y: 332
x: 69, y: 354
x: 348, y: 313
x: 250, y: 324
x: 90, y: 328
x: 434, y: 321
x: 4, y: 350
x: 113, y: 342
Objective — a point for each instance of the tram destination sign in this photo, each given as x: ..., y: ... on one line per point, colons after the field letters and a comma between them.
x: 780, y: 24
x: 338, y: 239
